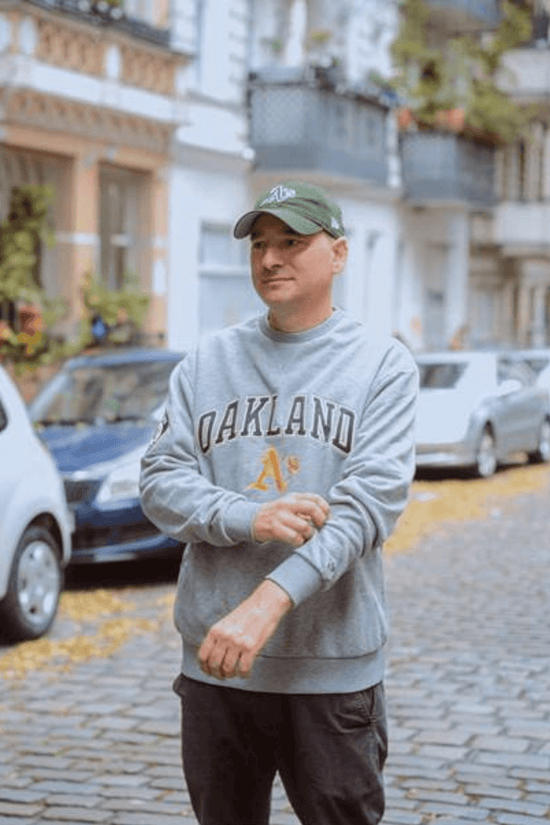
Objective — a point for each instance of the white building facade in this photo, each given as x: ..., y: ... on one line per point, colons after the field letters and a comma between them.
x: 279, y: 90
x: 161, y: 124
x: 284, y: 89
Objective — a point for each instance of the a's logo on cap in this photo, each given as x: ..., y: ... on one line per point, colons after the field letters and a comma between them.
x: 279, y: 194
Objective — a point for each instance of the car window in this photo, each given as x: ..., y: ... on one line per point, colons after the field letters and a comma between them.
x: 515, y: 371
x: 441, y: 376
x: 537, y: 364
x: 3, y: 418
x: 97, y: 394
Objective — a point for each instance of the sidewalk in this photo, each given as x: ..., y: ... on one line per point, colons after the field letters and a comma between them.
x: 468, y: 692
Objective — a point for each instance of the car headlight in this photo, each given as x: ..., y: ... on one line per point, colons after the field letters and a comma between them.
x: 122, y: 481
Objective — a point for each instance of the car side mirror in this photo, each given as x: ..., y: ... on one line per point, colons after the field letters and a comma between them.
x: 509, y: 386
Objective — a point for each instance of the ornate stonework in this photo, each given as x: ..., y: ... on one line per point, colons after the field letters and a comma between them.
x: 155, y: 72
x: 30, y: 108
x: 80, y: 48
x: 70, y: 48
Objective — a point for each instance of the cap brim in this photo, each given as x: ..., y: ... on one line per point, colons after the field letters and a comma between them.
x: 303, y: 226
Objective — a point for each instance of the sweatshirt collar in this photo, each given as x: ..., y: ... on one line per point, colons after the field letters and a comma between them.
x: 301, y: 337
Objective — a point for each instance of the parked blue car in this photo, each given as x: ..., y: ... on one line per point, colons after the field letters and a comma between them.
x: 97, y: 416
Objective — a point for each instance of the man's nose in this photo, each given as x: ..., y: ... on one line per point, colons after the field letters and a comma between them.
x: 271, y: 257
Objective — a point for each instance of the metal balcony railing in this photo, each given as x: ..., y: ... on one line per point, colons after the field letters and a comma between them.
x: 439, y: 167
x: 102, y: 13
x: 297, y: 125
x: 472, y: 15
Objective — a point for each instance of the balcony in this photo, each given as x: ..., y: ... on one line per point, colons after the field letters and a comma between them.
x: 300, y: 123
x: 102, y: 13
x: 526, y: 74
x: 523, y: 226
x: 442, y: 167
x: 465, y: 15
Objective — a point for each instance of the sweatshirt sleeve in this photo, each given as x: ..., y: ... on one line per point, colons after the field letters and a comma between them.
x: 367, y: 500
x: 180, y: 501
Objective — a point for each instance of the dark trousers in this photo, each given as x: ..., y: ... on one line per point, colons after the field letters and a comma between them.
x: 329, y: 750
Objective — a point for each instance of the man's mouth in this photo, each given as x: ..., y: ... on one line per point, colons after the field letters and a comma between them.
x: 276, y: 279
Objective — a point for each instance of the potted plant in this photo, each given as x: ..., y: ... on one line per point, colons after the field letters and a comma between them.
x: 113, y: 316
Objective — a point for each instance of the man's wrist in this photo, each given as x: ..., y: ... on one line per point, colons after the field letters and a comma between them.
x: 269, y: 594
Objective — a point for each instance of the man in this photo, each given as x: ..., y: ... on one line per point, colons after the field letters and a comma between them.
x: 284, y: 461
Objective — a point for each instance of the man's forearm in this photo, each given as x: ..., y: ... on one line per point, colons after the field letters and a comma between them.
x: 232, y: 644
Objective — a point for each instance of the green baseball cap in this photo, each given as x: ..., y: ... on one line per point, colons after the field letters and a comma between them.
x: 305, y: 208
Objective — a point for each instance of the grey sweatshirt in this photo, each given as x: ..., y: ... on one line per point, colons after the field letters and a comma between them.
x: 254, y: 414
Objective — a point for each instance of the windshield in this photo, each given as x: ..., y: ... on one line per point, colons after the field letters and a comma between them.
x: 103, y: 394
x: 537, y: 364
x: 440, y: 376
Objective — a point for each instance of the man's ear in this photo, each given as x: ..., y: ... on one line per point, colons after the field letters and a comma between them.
x: 340, y: 254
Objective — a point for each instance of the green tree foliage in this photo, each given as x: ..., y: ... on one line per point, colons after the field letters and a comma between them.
x: 27, y: 311
x: 21, y: 234
x: 463, y: 75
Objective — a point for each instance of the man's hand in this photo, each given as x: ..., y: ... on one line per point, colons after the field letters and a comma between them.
x: 291, y: 519
x: 232, y: 644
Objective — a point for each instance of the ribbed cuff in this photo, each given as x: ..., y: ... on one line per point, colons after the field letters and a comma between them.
x: 298, y: 577
x: 238, y: 520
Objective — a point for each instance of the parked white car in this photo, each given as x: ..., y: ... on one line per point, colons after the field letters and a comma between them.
x: 35, y: 524
x: 477, y: 409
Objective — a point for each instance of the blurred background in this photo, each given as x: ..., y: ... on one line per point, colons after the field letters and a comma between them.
x: 134, y: 132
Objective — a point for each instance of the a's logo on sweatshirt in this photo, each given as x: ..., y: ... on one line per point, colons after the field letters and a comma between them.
x: 262, y: 416
x: 273, y: 471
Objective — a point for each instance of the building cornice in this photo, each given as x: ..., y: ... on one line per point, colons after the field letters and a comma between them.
x: 28, y: 108
x: 58, y: 40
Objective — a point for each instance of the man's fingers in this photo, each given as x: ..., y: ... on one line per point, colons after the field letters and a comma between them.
x: 291, y: 519
x: 229, y: 666
x: 223, y: 660
x: 313, y: 506
x: 215, y: 658
x: 312, y: 498
x: 312, y: 512
x: 296, y: 528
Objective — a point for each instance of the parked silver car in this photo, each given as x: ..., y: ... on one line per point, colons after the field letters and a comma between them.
x: 476, y: 409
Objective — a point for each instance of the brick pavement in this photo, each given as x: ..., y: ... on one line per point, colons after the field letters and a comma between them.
x: 468, y: 691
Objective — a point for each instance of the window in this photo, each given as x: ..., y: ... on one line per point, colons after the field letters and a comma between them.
x: 441, y: 376
x: 119, y: 224
x: 537, y: 364
x: 523, y: 167
x: 508, y: 370
x: 226, y: 294
x: 105, y: 393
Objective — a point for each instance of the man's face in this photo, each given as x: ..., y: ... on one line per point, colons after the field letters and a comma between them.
x: 292, y: 271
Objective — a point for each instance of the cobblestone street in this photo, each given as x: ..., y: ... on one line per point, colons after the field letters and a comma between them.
x: 468, y: 690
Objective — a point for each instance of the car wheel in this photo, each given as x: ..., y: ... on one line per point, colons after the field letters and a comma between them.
x: 542, y: 453
x: 486, y: 456
x: 36, y: 580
